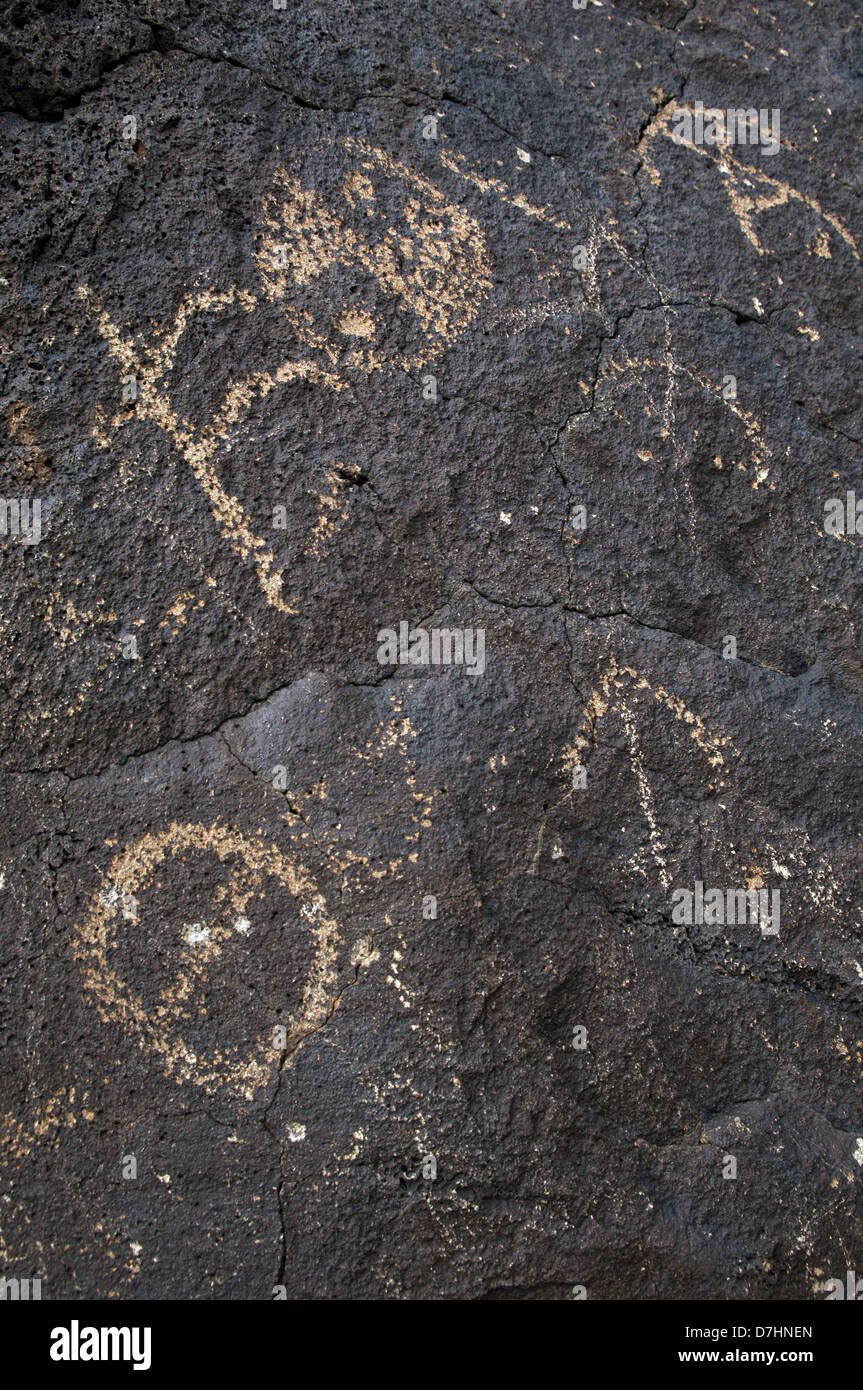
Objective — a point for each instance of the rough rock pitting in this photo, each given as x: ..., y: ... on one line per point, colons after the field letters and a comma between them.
x: 323, y: 319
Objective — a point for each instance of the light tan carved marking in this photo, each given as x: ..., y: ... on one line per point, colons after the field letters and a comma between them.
x: 750, y: 191
x: 436, y: 266
x: 130, y: 872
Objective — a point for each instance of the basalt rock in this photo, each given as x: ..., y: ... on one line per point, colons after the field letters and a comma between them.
x: 335, y: 961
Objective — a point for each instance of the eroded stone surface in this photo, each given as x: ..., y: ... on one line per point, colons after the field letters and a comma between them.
x: 224, y: 816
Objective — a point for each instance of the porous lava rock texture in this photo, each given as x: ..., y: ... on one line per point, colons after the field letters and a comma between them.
x: 328, y: 973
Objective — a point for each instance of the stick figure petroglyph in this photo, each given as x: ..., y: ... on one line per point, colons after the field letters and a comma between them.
x: 432, y: 267
x: 429, y: 262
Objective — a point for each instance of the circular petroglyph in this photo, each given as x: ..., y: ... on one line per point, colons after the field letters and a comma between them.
x: 172, y: 958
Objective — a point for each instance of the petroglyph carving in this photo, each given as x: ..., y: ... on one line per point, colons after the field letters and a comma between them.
x: 750, y: 191
x: 433, y: 264
x: 158, y: 1028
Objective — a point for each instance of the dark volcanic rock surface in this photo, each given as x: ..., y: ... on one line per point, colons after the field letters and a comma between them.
x: 324, y: 319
